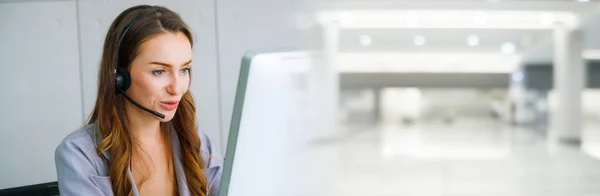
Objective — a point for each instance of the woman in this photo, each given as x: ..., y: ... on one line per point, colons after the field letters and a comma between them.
x: 141, y: 138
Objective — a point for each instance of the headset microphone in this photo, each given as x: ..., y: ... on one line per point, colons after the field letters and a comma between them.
x: 123, y: 82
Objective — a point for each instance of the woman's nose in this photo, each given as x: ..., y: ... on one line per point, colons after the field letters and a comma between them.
x: 174, y: 86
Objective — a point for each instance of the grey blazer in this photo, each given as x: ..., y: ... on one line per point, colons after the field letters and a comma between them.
x: 82, y: 172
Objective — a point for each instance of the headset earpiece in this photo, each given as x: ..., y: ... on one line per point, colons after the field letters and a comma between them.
x: 121, y: 74
x: 123, y: 79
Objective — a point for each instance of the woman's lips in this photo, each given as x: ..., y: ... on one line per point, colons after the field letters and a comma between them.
x: 169, y: 105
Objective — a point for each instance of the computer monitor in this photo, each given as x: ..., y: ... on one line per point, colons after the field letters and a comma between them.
x: 268, y: 128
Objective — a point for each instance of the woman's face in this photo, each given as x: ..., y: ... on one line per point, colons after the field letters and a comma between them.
x: 160, y: 74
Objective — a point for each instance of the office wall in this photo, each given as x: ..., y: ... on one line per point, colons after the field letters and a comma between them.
x: 40, y: 100
x: 255, y: 24
x: 50, y: 53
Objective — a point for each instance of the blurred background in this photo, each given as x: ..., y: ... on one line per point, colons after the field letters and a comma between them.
x: 464, y: 97
x: 430, y: 97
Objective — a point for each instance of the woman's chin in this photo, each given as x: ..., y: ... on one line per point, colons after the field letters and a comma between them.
x: 166, y: 119
x: 168, y: 116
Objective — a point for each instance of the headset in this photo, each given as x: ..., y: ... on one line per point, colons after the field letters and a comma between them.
x: 123, y: 79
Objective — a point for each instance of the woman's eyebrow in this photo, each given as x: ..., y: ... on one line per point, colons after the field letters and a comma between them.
x: 169, y: 65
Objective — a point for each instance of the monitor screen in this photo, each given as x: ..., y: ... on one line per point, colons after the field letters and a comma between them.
x: 268, y: 130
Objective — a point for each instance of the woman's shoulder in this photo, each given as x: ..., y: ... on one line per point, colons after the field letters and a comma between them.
x: 79, y: 144
x: 205, y: 140
x: 209, y: 150
x: 81, y: 137
x: 86, y: 130
x: 213, y: 161
x: 80, y: 171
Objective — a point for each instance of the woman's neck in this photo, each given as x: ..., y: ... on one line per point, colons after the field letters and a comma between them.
x: 143, y: 127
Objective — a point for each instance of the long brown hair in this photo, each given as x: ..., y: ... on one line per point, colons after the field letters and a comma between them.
x: 134, y: 26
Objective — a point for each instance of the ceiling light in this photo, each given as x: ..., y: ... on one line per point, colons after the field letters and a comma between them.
x: 365, y: 40
x: 419, y: 40
x: 473, y: 40
x: 508, y: 48
x: 583, y: 0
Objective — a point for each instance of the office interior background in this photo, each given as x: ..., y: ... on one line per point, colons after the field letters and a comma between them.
x: 430, y: 97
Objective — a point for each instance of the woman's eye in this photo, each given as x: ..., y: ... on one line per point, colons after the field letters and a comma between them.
x: 185, y: 70
x: 158, y: 72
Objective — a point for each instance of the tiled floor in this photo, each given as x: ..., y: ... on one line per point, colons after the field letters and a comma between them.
x: 468, y: 158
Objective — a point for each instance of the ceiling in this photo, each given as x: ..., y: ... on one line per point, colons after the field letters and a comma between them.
x: 436, y: 40
x: 534, y: 43
x: 563, y: 5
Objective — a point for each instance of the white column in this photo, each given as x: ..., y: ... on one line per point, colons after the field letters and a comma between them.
x: 323, y: 159
x: 569, y: 68
x: 324, y: 84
